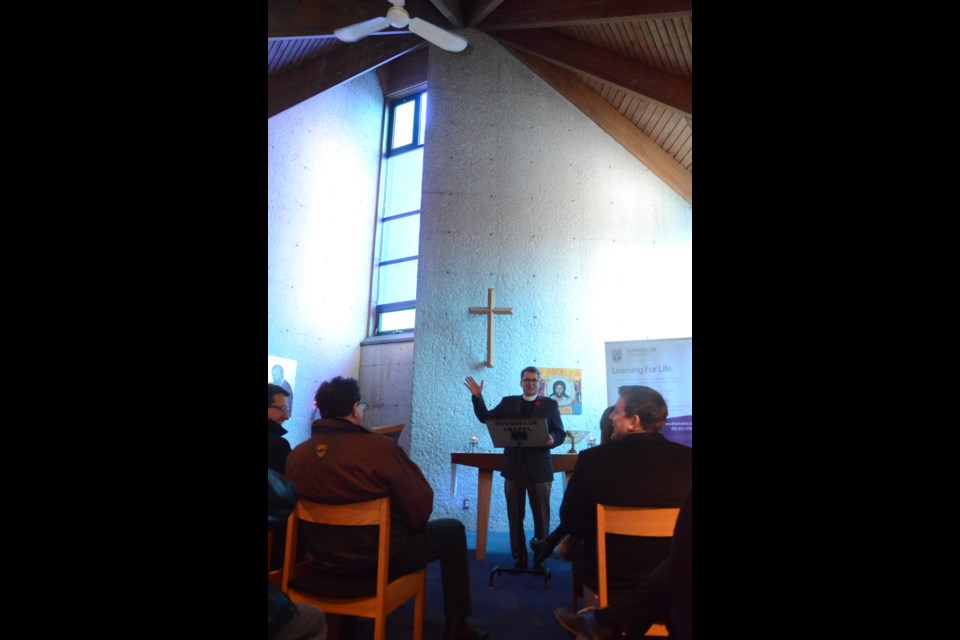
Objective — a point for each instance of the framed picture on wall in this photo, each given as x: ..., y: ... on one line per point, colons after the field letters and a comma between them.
x: 282, y: 372
x: 565, y: 386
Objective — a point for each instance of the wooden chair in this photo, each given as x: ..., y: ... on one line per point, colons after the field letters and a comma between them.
x: 389, y: 594
x: 269, y: 549
x: 274, y: 575
x: 647, y: 522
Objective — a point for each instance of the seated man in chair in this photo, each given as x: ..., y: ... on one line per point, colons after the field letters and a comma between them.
x: 666, y: 594
x: 638, y: 468
x: 344, y: 462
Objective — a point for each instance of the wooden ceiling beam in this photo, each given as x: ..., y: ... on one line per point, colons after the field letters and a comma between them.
x: 293, y: 86
x: 450, y: 10
x: 405, y: 74
x: 532, y: 14
x: 630, y: 75
x: 610, y: 120
x: 298, y: 18
x: 480, y: 9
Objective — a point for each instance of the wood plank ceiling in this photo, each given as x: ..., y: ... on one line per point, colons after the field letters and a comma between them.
x: 627, y: 64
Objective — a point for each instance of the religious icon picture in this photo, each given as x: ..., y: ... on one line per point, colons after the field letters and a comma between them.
x: 564, y: 386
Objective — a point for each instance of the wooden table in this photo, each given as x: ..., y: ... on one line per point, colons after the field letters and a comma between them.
x: 486, y: 464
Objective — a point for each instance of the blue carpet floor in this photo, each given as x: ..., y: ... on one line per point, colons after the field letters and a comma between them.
x: 516, y: 608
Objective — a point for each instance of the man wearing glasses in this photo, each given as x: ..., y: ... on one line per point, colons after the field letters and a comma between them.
x: 277, y: 412
x: 277, y: 451
x: 525, y: 469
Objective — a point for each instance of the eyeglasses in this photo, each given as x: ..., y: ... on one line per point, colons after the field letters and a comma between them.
x: 362, y: 403
x: 283, y: 409
x: 528, y: 380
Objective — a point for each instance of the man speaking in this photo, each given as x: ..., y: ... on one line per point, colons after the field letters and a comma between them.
x: 525, y: 469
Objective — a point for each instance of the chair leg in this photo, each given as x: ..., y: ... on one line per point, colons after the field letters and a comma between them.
x: 418, y: 612
x: 380, y: 629
x: 420, y: 607
x: 576, y: 553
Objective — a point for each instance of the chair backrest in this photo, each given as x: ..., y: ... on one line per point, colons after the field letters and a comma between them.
x: 649, y: 522
x: 354, y: 514
x: 388, y: 595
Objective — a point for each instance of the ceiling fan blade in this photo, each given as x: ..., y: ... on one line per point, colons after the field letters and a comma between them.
x: 354, y: 32
x: 440, y: 37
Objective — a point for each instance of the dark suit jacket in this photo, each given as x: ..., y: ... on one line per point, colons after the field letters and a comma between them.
x: 536, y: 459
x: 277, y: 451
x: 642, y: 469
x: 277, y: 447
x: 680, y: 582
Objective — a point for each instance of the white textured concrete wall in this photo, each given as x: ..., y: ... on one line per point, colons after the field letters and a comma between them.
x: 323, y: 164
x: 525, y: 194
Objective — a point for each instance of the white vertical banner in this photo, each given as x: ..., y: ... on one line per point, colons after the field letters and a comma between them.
x: 665, y: 365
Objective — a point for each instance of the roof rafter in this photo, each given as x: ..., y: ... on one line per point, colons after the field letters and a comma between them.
x: 450, y: 9
x: 532, y: 14
x: 290, y: 87
x: 292, y: 18
x: 630, y: 75
x: 610, y: 120
x: 480, y: 9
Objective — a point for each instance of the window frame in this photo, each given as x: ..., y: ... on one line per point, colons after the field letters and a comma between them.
x: 417, y: 137
x: 377, y: 309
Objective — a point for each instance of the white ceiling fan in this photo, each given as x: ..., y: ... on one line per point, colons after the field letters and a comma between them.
x: 398, y: 18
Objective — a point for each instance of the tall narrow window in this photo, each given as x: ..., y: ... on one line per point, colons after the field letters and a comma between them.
x: 395, y: 282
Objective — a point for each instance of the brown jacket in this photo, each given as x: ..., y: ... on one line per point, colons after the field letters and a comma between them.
x: 343, y: 462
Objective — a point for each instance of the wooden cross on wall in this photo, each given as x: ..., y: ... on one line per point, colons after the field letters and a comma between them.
x: 489, y: 310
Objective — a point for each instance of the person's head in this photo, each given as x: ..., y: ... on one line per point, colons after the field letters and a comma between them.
x: 530, y: 381
x: 606, y: 425
x: 277, y: 408
x: 277, y: 373
x: 559, y: 388
x: 340, y: 398
x: 639, y: 409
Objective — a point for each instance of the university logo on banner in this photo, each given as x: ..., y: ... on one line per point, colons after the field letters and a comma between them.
x: 664, y: 364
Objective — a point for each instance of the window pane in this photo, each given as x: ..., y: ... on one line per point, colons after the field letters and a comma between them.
x: 403, y: 124
x: 397, y: 320
x: 423, y: 117
x: 398, y: 282
x: 399, y: 229
x: 401, y: 238
x: 404, y: 183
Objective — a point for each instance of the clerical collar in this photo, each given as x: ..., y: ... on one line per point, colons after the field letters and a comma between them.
x: 530, y: 398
